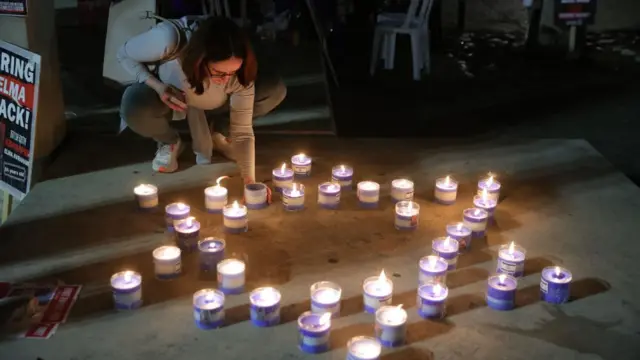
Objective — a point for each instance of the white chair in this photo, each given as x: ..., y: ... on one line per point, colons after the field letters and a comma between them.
x: 414, y: 23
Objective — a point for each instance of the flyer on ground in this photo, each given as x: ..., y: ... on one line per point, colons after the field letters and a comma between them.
x: 19, y: 80
x: 13, y: 7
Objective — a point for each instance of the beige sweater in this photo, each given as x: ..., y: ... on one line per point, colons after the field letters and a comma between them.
x: 160, y: 42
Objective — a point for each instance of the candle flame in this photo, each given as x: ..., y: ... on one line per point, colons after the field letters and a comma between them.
x: 181, y: 206
x: 325, y: 318
x: 218, y: 180
x: 485, y: 194
x: 382, y: 277
x: 294, y: 187
x: 490, y: 179
x: 343, y: 168
x: 432, y: 261
x: 235, y: 205
x: 283, y: 168
x: 128, y: 275
x: 399, y: 307
x: 209, y: 296
x: 301, y: 156
x: 437, y: 289
x: 410, y: 207
x: 512, y: 248
x: 447, y: 180
x: 459, y: 226
x: 213, y: 245
x: 189, y: 221
x: 447, y: 242
x: 476, y: 212
x: 557, y: 270
x: 502, y: 278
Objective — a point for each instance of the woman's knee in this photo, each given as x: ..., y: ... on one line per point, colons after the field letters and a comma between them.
x: 139, y: 102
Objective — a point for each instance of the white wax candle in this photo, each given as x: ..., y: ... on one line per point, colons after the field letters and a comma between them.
x: 215, y: 197
x: 167, y: 261
x: 231, y: 274
x: 147, y: 196
x: 402, y: 189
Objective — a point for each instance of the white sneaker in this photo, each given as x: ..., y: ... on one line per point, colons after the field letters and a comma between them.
x: 223, y: 145
x: 166, y: 160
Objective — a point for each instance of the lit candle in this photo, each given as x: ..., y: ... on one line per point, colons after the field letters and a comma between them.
x: 231, y: 276
x: 215, y: 197
x: 329, y: 195
x: 234, y: 218
x: 476, y: 220
x: 432, y: 298
x: 446, y: 248
x: 147, y: 196
x: 363, y: 348
x: 486, y: 203
x: 432, y: 269
x: 554, y: 284
x: 511, y: 260
x: 255, y: 196
x: 282, y: 177
x: 301, y: 165
x: 377, y: 292
x: 208, y: 309
x: 167, y: 262
x: 343, y: 175
x: 188, y: 231
x: 401, y: 189
x: 491, y: 185
x: 314, y: 332
x: 293, y: 197
x: 325, y: 297
x: 460, y: 233
x: 211, y: 252
x: 446, y: 190
x: 391, y: 326
x: 501, y: 292
x: 407, y: 215
x: 265, y: 306
x: 127, y: 290
x: 368, y: 194
x: 176, y: 212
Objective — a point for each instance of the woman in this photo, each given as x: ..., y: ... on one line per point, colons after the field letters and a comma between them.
x: 214, y: 65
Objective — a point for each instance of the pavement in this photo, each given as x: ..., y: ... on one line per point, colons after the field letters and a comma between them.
x: 561, y: 200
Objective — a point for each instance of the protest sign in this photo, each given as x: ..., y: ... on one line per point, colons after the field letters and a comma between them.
x: 13, y: 7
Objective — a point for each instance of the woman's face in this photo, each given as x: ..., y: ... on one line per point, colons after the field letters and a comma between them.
x: 221, y: 71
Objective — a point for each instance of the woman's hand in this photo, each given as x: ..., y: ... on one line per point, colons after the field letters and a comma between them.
x: 174, y: 98
x: 248, y: 181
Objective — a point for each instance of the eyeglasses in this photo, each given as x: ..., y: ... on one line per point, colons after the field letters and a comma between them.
x: 219, y: 75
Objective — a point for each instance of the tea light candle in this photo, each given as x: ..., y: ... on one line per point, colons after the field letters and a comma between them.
x: 211, y: 252
x: 167, y: 262
x: 127, y: 290
x: 343, y: 175
x: 234, y: 218
x: 407, y: 215
x: 188, y: 231
x: 314, y: 332
x: 491, y: 185
x: 511, y: 260
x: 446, y: 248
x: 368, y: 194
x: 476, y: 220
x: 293, y: 198
x: 446, y: 190
x: 554, y: 284
x: 485, y: 203
x: 325, y: 298
x: 401, y: 189
x: 255, y: 196
x: 301, y: 165
x: 363, y: 348
x: 391, y: 326
x: 377, y: 292
x: 208, y: 309
x: 147, y: 196
x: 215, y: 197
x: 282, y: 177
x: 432, y: 299
x: 265, y: 306
x: 329, y: 195
x: 176, y: 212
x: 460, y: 233
x: 231, y: 276
x: 432, y: 269
x: 501, y: 292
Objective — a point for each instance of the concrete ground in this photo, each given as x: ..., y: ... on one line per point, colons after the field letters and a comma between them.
x: 561, y: 200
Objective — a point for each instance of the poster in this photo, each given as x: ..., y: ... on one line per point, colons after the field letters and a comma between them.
x: 575, y: 12
x: 19, y: 79
x: 13, y: 7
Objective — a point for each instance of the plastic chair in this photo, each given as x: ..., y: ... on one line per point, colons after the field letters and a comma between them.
x: 414, y: 23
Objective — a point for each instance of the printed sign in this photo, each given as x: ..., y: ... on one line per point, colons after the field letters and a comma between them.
x: 55, y: 313
x: 13, y: 7
x: 19, y: 81
x: 575, y: 12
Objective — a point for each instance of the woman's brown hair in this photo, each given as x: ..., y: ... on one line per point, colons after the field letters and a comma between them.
x: 217, y: 39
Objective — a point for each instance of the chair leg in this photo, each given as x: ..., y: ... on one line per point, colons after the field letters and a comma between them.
x: 375, y: 51
x: 389, y: 63
x: 416, y: 55
x: 426, y: 52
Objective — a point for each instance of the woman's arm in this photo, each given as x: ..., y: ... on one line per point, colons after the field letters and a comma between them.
x: 241, y: 131
x: 151, y: 46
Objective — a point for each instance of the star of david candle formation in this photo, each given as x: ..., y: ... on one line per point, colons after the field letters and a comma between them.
x: 314, y: 326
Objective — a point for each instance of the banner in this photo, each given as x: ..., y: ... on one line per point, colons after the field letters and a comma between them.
x: 13, y: 7
x: 19, y: 80
x: 575, y: 12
